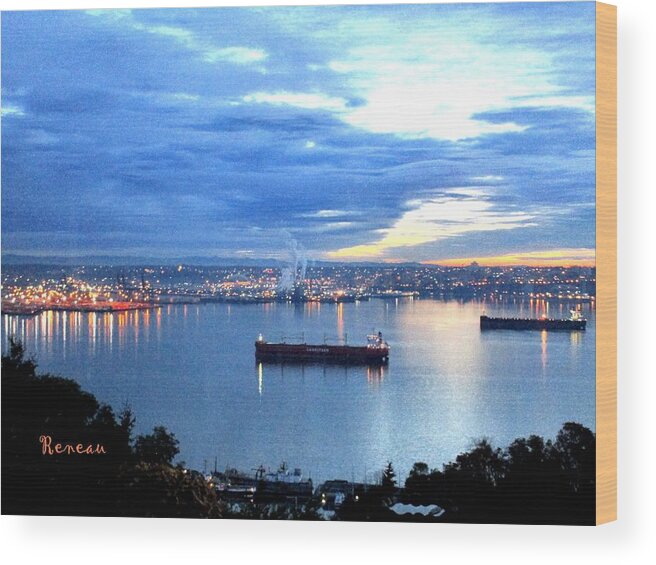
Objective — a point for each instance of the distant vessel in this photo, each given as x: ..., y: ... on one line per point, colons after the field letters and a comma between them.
x: 395, y: 294
x: 264, y: 486
x: 283, y: 484
x: 11, y: 309
x: 376, y: 351
x: 576, y: 322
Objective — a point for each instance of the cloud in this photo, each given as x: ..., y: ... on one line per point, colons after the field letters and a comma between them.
x: 237, y: 55
x: 329, y: 214
x: 333, y: 226
x: 12, y: 110
x: 437, y: 77
x: 448, y: 214
x: 209, y: 53
x: 353, y: 137
x: 168, y: 98
x: 42, y: 137
x: 305, y: 100
x: 488, y: 178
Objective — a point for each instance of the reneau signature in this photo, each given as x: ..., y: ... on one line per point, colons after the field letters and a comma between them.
x: 48, y: 448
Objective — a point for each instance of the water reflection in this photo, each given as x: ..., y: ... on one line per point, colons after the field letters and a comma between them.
x: 52, y: 333
x: 64, y: 326
x: 92, y: 331
x: 374, y: 374
x: 340, y: 321
x: 193, y: 369
x: 108, y: 328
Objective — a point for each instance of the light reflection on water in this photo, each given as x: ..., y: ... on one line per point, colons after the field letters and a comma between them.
x: 192, y: 369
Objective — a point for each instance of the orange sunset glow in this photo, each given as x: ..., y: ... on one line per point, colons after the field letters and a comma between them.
x: 580, y: 257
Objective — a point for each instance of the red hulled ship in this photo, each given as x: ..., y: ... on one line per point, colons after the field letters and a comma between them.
x: 376, y: 351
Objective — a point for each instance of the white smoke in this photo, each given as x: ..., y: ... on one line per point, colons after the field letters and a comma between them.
x: 286, y: 281
x: 299, y: 259
x: 296, y: 269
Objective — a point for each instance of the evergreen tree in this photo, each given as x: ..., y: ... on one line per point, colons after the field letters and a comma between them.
x: 389, y: 477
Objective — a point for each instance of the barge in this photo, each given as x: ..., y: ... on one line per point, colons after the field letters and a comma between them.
x: 575, y: 322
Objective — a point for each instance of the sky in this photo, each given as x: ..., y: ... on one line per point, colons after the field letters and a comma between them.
x: 433, y: 133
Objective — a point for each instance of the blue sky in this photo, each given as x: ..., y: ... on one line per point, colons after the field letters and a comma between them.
x: 386, y: 133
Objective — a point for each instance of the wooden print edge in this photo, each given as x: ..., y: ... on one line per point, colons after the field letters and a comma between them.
x: 606, y: 262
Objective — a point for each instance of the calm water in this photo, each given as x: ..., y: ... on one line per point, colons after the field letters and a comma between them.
x: 192, y: 369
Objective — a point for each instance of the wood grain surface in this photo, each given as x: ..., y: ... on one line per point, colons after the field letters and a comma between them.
x: 606, y: 165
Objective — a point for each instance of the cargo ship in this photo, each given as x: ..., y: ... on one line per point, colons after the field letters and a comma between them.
x: 376, y: 351
x: 576, y: 322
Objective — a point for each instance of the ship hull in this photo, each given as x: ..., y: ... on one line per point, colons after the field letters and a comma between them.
x: 532, y: 324
x: 341, y: 354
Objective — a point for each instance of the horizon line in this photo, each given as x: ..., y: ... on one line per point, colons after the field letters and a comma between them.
x: 221, y: 261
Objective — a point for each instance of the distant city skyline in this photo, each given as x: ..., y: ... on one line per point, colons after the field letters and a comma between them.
x: 440, y: 134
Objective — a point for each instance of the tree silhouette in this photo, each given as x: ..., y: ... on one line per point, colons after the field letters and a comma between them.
x: 482, y: 464
x: 532, y: 481
x: 575, y: 445
x: 158, y: 448
x: 115, y: 483
x: 389, y: 477
x: 419, y: 469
